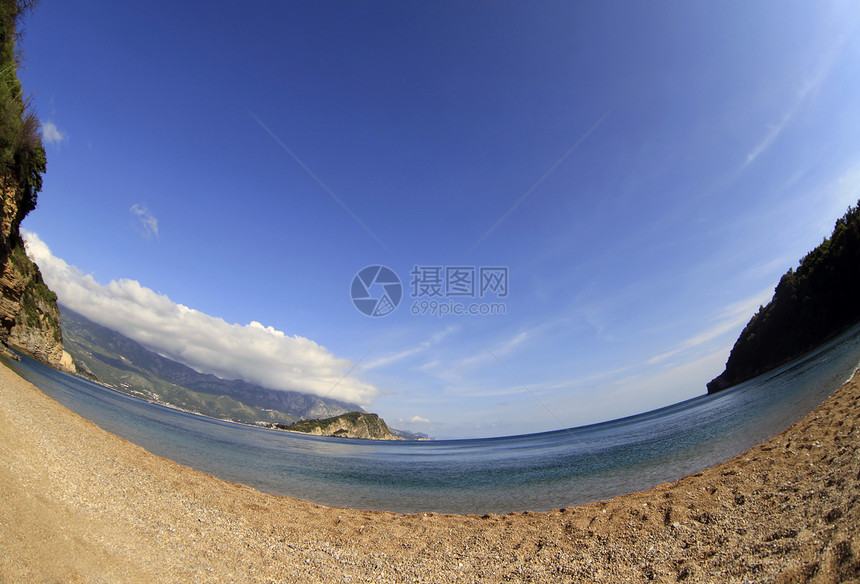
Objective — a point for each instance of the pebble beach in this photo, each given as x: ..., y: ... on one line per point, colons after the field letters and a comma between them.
x: 78, y: 504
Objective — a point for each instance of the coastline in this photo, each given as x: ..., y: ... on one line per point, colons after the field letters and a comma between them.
x: 80, y: 504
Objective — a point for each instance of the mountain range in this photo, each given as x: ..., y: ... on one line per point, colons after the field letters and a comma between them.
x: 112, y: 359
x: 115, y: 360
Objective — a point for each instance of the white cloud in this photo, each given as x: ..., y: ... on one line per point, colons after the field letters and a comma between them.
x: 148, y: 222
x: 52, y: 134
x: 253, y: 352
x: 418, y: 420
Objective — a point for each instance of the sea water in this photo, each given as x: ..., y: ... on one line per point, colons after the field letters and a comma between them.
x: 529, y: 472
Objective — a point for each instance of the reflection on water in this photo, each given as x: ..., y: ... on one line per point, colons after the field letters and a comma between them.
x: 530, y: 472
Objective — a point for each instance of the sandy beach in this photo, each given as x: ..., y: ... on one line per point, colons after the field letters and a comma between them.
x: 78, y: 504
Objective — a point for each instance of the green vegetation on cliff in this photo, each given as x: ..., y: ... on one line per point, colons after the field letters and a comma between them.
x: 810, y: 305
x: 349, y: 425
x: 37, y: 296
x: 22, y: 156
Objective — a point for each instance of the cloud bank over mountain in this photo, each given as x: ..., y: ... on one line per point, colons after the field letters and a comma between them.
x: 253, y: 352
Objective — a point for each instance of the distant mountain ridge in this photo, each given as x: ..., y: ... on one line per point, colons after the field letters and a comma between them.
x: 119, y: 362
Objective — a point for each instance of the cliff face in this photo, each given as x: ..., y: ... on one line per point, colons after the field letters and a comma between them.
x: 29, y: 317
x: 8, y: 219
x: 350, y: 425
x: 31, y: 309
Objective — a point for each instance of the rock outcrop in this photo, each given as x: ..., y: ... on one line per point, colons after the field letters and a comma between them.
x: 349, y: 425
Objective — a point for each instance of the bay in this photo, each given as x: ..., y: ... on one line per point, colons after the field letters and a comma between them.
x: 514, y: 473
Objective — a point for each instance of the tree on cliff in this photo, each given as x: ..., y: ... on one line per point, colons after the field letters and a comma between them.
x: 22, y: 155
x: 809, y: 305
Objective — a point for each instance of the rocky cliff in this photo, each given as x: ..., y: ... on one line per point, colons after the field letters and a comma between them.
x: 349, y: 425
x: 28, y: 310
x: 29, y: 318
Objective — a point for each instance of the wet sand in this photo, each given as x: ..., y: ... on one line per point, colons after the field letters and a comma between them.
x: 78, y: 504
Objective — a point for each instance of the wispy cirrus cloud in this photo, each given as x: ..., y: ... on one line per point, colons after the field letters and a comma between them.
x: 148, y: 222
x: 393, y: 358
x: 731, y: 318
x: 415, y: 350
x: 500, y: 349
x: 807, y: 88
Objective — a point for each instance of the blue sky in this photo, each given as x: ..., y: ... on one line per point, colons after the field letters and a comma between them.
x: 646, y: 172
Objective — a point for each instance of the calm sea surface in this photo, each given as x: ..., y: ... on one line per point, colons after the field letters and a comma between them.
x: 531, y: 472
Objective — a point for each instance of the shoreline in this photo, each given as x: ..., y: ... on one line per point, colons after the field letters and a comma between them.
x: 80, y: 504
x: 142, y: 396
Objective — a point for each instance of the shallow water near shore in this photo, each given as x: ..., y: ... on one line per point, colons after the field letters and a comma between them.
x: 530, y: 472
